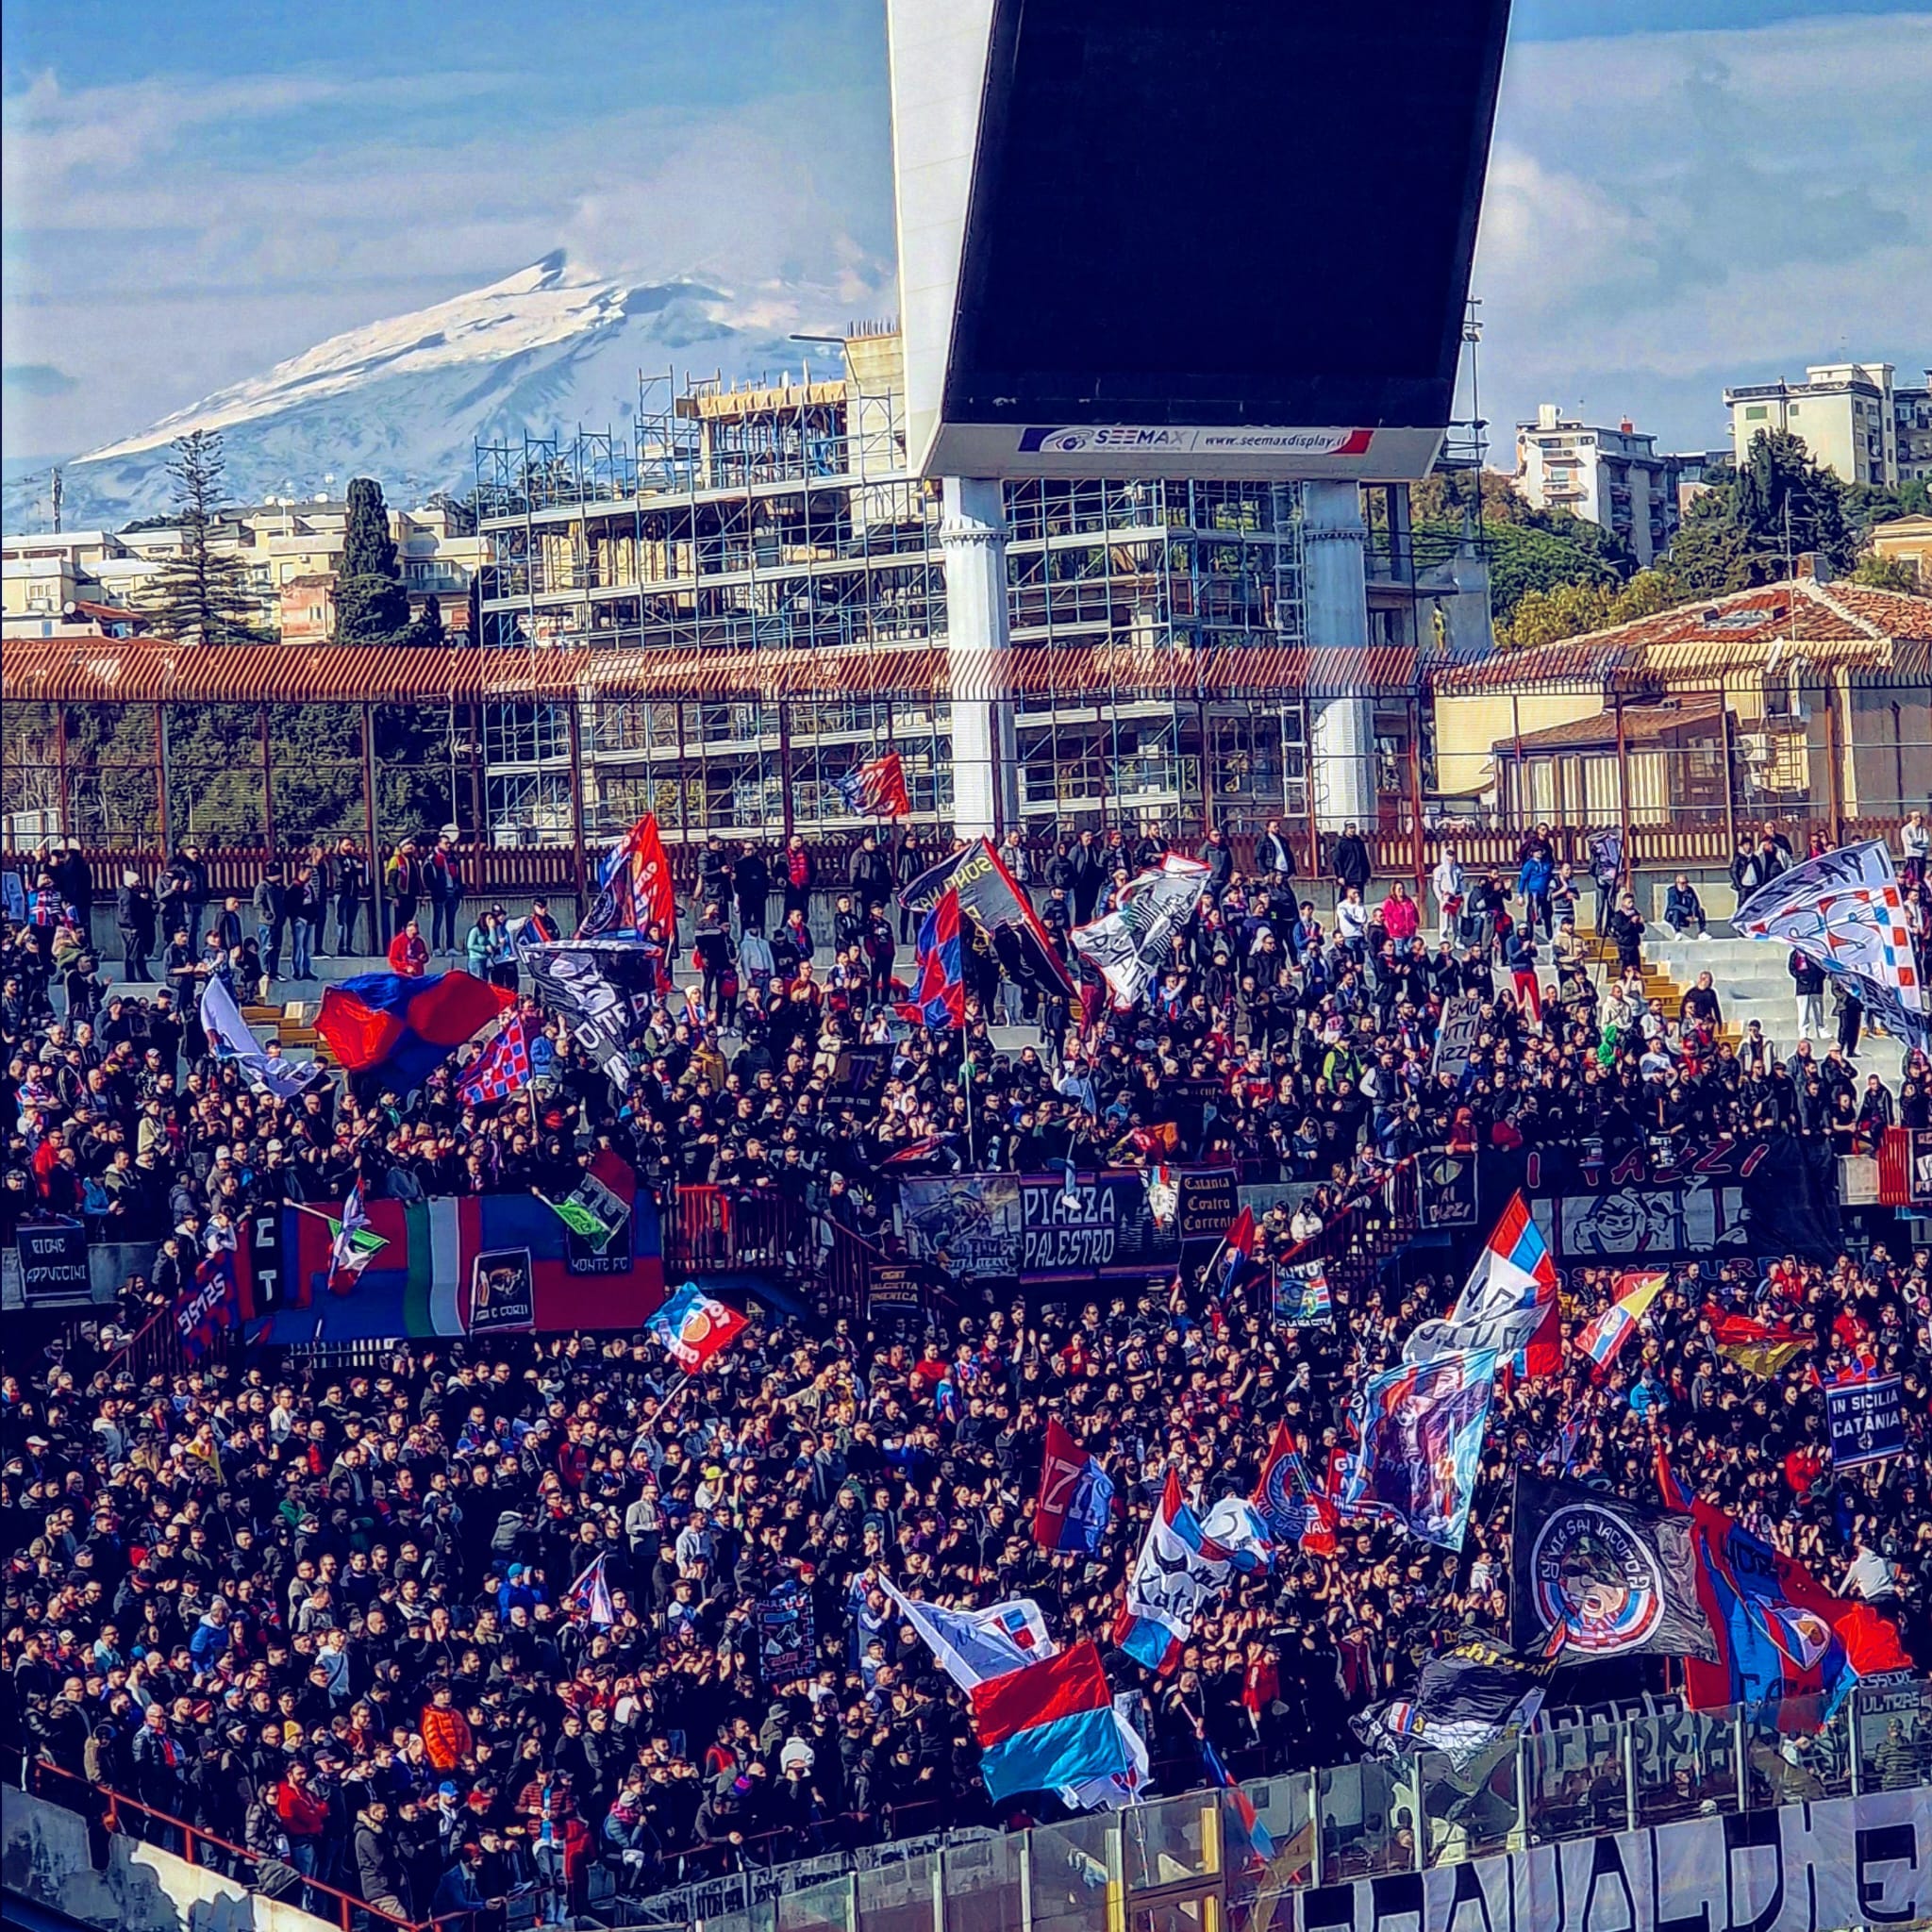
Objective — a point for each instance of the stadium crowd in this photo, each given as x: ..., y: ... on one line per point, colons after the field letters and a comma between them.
x: 322, y: 1613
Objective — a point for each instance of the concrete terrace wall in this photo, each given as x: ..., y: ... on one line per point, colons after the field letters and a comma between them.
x: 45, y: 1858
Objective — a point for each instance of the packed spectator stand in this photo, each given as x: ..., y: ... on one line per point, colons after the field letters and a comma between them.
x: 317, y: 1604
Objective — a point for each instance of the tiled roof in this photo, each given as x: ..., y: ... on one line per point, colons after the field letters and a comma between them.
x: 1642, y: 724
x: 1830, y: 624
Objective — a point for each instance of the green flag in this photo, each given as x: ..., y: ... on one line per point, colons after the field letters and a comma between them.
x: 580, y: 1220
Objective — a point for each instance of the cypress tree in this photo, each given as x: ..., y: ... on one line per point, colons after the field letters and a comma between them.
x: 372, y: 607
x: 202, y: 595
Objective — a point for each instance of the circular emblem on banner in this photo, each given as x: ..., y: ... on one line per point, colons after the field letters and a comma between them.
x: 1590, y: 1573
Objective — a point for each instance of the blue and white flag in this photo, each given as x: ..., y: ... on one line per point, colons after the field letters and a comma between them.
x: 1422, y: 1427
x: 228, y: 1033
x: 972, y: 1646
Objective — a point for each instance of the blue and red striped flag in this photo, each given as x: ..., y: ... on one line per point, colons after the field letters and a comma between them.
x: 1260, y: 1841
x: 938, y: 995
x: 501, y: 1069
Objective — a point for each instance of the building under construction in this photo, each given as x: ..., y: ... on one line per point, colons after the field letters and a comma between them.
x: 782, y: 525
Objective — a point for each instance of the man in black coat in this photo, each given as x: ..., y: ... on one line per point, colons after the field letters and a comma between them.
x: 134, y: 914
x: 1352, y: 867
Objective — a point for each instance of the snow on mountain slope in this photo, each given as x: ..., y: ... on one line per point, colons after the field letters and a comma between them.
x: 405, y: 401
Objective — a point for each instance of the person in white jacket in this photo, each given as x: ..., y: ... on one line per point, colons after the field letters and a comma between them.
x: 1447, y: 884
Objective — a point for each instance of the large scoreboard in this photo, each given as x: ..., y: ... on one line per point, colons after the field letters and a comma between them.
x: 1212, y: 238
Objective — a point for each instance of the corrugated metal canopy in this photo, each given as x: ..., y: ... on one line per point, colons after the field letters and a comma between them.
x: 147, y: 670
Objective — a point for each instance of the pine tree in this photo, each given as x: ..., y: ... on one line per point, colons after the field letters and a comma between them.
x: 372, y: 607
x: 1787, y: 504
x: 200, y: 596
x: 427, y: 630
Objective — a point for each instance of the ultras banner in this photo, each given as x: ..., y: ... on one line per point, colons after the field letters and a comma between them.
x: 1771, y: 1194
x: 1805, y: 1868
x: 1036, y: 1226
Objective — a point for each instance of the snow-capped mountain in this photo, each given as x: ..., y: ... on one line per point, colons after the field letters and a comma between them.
x: 548, y: 349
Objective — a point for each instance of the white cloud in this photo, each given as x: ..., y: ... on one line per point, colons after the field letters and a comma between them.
x: 1671, y: 211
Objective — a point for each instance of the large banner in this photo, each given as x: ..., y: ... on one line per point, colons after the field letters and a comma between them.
x: 1422, y: 1438
x: 1036, y: 1227
x: 1619, y: 1578
x: 470, y: 1264
x: 1805, y: 1868
x: 1772, y: 1194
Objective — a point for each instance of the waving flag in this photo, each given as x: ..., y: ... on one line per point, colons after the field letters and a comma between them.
x: 355, y: 1244
x: 1236, y: 1261
x: 1075, y: 1496
x: 635, y: 890
x: 938, y: 995
x: 694, y: 1327
x: 502, y: 1068
x: 1465, y: 1700
x: 405, y: 1027
x: 1238, y: 1532
x: 1608, y: 1332
x: 876, y: 789
x: 588, y: 1597
x: 1774, y: 1624
x: 1844, y: 909
x: 1289, y: 1504
x: 1131, y: 945
x: 211, y: 1307
x: 233, y: 1039
x: 1176, y: 1572
x: 1421, y: 1427
x: 975, y: 1646
x: 1259, y: 1842
x: 1048, y: 1726
x: 1508, y: 1304
x: 999, y: 909
x: 1760, y: 1348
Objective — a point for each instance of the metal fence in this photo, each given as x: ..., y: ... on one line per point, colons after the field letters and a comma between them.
x: 1587, y: 1773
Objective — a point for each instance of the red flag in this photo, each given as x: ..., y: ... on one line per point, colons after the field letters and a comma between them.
x: 1871, y: 1645
x: 637, y: 891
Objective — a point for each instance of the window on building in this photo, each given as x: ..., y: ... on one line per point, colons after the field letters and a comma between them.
x: 1756, y: 412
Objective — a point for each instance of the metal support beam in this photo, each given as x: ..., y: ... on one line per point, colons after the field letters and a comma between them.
x: 61, y: 799
x: 377, y: 941
x: 573, y: 713
x: 1623, y: 789
x: 1415, y: 791
x: 161, y: 778
x: 268, y: 782
x: 1834, y: 770
x: 785, y: 766
x: 1730, y: 757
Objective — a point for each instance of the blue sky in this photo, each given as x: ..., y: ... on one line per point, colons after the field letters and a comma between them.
x: 1681, y: 193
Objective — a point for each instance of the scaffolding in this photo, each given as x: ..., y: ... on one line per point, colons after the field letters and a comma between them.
x: 784, y: 516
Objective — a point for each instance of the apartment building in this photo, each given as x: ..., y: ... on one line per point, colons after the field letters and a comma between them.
x: 1614, y: 477
x: 1853, y: 417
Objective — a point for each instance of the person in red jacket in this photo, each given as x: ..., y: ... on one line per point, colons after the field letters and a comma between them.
x: 408, y: 955
x: 304, y: 1818
x: 446, y: 1736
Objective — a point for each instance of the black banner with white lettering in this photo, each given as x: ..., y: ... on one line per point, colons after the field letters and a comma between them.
x: 53, y: 1265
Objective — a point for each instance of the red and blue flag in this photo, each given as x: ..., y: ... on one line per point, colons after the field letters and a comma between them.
x: 1075, y: 1496
x: 876, y: 789
x: 405, y: 1027
x: 1260, y: 1841
x: 1048, y: 1726
x: 211, y: 1307
x: 502, y: 1068
x: 938, y: 994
